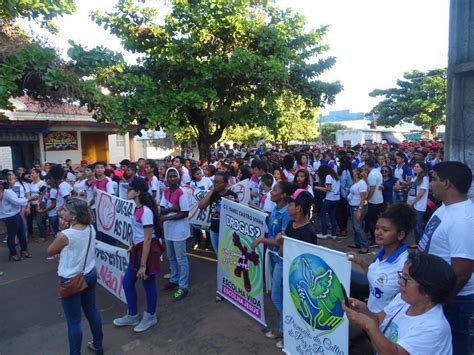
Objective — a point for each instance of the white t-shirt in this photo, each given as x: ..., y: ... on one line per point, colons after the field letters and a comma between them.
x: 185, y: 177
x: 354, y: 196
x: 72, y: 256
x: 383, y: 278
x: 79, y: 186
x: 142, y: 217
x: 289, y: 175
x: 266, y: 203
x: 21, y: 188
x: 35, y: 189
x: 415, y: 189
x: 334, y: 194
x: 50, y: 195
x: 64, y: 191
x: 375, y: 179
x: 448, y: 234
x: 204, y: 184
x: 154, y: 185
x: 427, y: 333
x: 175, y: 230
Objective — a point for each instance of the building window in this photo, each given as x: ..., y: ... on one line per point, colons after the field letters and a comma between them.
x: 346, y: 143
x: 120, y: 140
x: 369, y: 141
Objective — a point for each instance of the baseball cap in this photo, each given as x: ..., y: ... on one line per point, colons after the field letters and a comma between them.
x: 296, y: 194
x: 84, y: 162
x: 137, y: 184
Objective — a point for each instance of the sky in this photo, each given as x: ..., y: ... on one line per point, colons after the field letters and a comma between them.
x: 374, y: 41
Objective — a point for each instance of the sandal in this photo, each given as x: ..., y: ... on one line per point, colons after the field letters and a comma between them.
x: 91, y: 347
x: 364, y: 251
x: 14, y: 258
x: 25, y: 254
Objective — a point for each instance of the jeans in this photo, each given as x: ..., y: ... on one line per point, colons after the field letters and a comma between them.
x: 15, y: 228
x: 360, y: 238
x: 151, y: 291
x: 38, y: 218
x: 215, y: 242
x: 458, y: 313
x: 342, y: 214
x: 330, y: 208
x: 179, y: 265
x: 72, y: 310
x: 277, y: 287
x: 373, y: 212
x: 54, y: 225
x: 420, y: 226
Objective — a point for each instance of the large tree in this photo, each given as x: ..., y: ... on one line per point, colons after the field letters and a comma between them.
x: 419, y: 98
x: 213, y: 64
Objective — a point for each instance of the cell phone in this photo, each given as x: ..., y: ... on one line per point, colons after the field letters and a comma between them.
x: 346, y: 299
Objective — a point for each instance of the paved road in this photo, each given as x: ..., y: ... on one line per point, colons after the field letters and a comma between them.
x: 32, y: 321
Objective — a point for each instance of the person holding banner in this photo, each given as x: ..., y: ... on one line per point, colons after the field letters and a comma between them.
x: 203, y: 183
x: 413, y: 322
x: 76, y: 247
x: 144, y: 262
x: 277, y: 223
x: 392, y: 228
x: 299, y: 205
x: 174, y: 216
x: 213, y: 198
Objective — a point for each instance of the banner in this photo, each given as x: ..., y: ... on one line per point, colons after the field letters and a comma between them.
x: 313, y: 319
x: 114, y: 217
x: 239, y: 268
x: 111, y: 263
x: 60, y: 141
x: 203, y: 217
x: 196, y: 215
x: 242, y: 190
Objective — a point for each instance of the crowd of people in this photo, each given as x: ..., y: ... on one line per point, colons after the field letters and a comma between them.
x: 419, y: 302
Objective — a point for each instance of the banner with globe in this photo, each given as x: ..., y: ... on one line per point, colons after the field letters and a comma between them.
x: 239, y: 267
x: 313, y: 319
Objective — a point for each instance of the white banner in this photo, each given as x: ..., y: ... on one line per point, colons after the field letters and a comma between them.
x: 203, y: 217
x: 239, y: 268
x: 111, y: 263
x: 313, y: 319
x: 196, y: 215
x: 242, y: 190
x: 114, y: 217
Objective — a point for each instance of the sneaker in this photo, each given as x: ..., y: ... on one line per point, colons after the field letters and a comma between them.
x: 167, y: 276
x: 127, y: 320
x: 180, y: 294
x: 322, y: 236
x: 148, y: 321
x: 279, y: 344
x: 52, y: 257
x: 333, y: 237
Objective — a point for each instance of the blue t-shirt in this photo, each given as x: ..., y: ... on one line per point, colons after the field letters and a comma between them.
x: 278, y: 221
x: 387, y: 191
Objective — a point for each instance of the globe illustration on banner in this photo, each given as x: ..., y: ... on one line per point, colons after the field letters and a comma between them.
x: 316, y: 293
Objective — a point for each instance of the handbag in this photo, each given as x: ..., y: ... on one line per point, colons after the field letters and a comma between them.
x: 77, y: 283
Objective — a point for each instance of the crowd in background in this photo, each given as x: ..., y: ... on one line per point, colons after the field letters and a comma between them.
x: 381, y: 191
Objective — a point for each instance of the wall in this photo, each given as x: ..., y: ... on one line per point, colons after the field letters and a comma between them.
x: 117, y: 153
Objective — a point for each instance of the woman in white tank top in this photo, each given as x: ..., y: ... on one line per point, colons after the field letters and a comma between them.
x: 77, y: 254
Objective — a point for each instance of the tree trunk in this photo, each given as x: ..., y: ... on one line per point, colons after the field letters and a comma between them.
x: 203, y: 146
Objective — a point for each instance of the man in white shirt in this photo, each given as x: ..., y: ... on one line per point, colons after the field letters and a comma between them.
x: 449, y: 234
x: 374, y: 198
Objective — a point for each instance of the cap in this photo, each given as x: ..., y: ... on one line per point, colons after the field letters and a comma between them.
x: 84, y: 162
x: 294, y: 195
x: 137, y: 184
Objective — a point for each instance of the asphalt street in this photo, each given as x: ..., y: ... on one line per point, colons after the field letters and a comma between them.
x: 32, y: 321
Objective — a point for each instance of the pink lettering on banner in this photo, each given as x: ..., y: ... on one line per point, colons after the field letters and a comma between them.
x: 241, y: 301
x: 107, y: 279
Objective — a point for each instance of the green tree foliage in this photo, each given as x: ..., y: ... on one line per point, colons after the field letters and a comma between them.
x: 329, y: 130
x: 213, y: 65
x: 42, y: 11
x: 30, y: 66
x: 420, y: 98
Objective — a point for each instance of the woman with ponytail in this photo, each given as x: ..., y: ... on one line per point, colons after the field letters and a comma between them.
x: 144, y: 262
